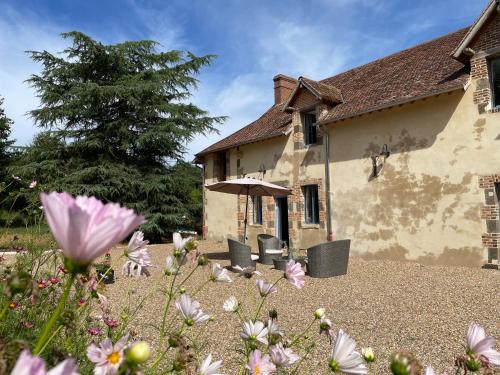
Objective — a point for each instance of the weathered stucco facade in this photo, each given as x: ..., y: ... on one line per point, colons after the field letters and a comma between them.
x: 435, y: 197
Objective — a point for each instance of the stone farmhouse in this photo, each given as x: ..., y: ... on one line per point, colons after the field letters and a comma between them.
x: 401, y: 155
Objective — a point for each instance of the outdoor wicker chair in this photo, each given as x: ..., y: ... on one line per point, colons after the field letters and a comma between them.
x: 241, y: 254
x: 269, y: 248
x: 328, y: 259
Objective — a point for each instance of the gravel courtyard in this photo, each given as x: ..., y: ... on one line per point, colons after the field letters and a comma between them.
x: 384, y: 304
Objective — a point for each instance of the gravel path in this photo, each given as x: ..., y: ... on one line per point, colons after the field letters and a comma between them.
x: 384, y: 304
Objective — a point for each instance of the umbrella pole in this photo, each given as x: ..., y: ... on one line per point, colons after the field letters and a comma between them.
x: 246, y: 219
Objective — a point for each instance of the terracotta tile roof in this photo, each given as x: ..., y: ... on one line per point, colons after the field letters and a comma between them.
x: 271, y: 124
x: 410, y: 74
x: 417, y: 72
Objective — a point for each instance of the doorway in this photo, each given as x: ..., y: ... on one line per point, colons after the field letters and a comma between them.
x: 281, y: 221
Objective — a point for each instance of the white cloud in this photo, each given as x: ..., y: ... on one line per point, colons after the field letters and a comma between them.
x: 21, y: 33
x: 302, y: 50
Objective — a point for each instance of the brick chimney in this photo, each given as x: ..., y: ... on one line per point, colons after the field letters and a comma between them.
x: 283, y: 87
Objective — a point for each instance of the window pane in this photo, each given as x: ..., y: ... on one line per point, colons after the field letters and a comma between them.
x: 495, y: 79
x: 309, y: 128
x: 257, y: 209
x: 311, y: 211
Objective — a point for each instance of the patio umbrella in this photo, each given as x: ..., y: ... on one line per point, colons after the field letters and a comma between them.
x: 248, y: 186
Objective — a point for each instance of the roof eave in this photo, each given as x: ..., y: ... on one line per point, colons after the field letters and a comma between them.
x: 394, y: 104
x: 457, y: 54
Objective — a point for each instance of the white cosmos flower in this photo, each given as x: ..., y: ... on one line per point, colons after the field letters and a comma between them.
x: 344, y: 358
x: 208, y: 368
x: 265, y: 288
x: 179, y: 242
x: 247, y: 272
x: 480, y: 345
x: 138, y: 256
x: 273, y: 329
x: 220, y: 274
x: 190, y: 310
x: 281, y: 356
x: 172, y: 267
x: 231, y: 304
x: 254, y: 332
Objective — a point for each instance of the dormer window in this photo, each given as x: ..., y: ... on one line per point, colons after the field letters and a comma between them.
x: 309, y: 125
x: 495, y: 81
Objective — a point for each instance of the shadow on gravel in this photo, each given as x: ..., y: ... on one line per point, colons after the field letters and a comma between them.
x: 221, y: 255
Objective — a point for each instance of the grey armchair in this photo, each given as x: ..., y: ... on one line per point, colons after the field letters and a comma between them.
x: 267, y: 242
x: 240, y: 254
x: 328, y: 259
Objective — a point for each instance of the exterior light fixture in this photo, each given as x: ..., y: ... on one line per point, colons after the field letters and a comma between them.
x: 377, y: 162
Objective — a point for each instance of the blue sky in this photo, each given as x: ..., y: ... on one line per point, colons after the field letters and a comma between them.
x: 254, y: 41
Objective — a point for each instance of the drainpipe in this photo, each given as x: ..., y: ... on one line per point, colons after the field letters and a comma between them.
x: 326, y: 137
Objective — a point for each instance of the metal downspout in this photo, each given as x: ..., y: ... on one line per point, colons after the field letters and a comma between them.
x: 327, y: 184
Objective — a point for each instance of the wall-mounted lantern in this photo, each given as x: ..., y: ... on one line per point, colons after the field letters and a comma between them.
x: 378, y: 161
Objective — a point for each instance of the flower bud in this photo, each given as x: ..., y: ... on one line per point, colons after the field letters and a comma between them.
x: 273, y: 314
x: 368, y: 354
x: 182, y: 290
x: 334, y: 366
x: 319, y: 313
x: 138, y: 353
x: 473, y: 364
x: 202, y: 260
x: 404, y: 363
x: 173, y: 342
x: 191, y: 245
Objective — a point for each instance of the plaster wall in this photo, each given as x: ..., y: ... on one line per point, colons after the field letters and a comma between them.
x: 426, y: 203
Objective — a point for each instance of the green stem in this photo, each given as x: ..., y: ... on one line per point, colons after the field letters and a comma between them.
x: 4, y: 310
x: 55, y: 315
x: 200, y: 288
x: 303, y: 333
x: 302, y: 360
x: 50, y: 339
x: 188, y: 276
x: 263, y: 299
x: 165, y: 313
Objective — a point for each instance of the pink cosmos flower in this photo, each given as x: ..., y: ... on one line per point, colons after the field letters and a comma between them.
x: 17, y: 178
x: 33, y: 184
x: 82, y: 302
x: 260, y: 365
x: 209, y: 368
x: 28, y: 325
x: 295, y: 274
x: 138, y: 256
x: 281, y: 356
x: 265, y: 288
x: 84, y: 227
x: 31, y: 365
x: 344, y: 358
x: 106, y: 356
x: 482, y: 346
x: 273, y: 328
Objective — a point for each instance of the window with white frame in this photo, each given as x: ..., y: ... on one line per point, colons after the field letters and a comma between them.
x: 495, y: 81
x: 257, y: 209
x: 309, y: 125
x: 311, y: 206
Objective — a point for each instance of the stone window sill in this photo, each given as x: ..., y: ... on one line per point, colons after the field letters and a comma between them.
x: 310, y: 226
x: 255, y: 225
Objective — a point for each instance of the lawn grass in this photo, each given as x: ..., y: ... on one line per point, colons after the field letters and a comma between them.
x: 12, y: 238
